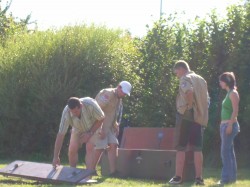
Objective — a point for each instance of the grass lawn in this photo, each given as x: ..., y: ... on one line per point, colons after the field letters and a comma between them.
x: 211, y: 177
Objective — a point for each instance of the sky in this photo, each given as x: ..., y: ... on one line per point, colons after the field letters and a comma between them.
x: 131, y: 15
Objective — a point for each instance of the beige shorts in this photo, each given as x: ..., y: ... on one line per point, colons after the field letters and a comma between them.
x: 104, y: 143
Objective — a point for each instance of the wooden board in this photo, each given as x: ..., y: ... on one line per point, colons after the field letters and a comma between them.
x: 46, y: 172
x: 143, y: 163
x: 148, y: 164
x: 148, y: 138
x: 154, y: 138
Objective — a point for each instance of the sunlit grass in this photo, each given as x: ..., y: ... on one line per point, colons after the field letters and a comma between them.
x: 211, y: 176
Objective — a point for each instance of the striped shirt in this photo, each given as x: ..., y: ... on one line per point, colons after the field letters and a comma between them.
x: 90, y: 112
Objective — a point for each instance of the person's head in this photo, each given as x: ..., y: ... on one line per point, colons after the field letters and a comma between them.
x: 75, y: 106
x: 227, y: 80
x: 181, y: 68
x: 123, y: 89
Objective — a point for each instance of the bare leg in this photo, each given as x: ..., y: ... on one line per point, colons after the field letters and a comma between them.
x: 198, y: 162
x: 112, y: 155
x: 180, y: 160
x: 89, y: 155
x: 92, y: 156
x: 96, y: 157
x: 73, y: 150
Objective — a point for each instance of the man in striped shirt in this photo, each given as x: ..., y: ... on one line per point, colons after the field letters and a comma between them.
x: 84, y: 116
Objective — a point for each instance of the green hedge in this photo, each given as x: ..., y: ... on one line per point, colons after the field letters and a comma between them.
x: 211, y: 46
x: 40, y: 71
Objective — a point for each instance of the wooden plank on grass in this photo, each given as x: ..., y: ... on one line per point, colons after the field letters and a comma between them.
x: 45, y: 172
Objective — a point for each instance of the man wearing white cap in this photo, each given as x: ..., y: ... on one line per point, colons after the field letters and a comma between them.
x: 110, y: 101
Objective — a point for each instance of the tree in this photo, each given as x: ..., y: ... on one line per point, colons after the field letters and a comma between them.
x: 9, y: 25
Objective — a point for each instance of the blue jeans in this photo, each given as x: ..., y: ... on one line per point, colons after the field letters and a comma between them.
x: 229, y: 169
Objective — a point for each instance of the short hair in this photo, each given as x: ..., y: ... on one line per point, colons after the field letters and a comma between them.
x: 74, y: 102
x: 229, y: 79
x: 181, y: 64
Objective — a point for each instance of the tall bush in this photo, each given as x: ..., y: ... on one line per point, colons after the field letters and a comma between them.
x: 40, y: 71
x: 211, y: 46
x: 9, y: 25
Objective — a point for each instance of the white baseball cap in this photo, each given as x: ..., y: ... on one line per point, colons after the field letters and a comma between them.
x: 126, y: 87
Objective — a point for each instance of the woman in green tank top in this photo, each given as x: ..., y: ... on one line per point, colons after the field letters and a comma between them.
x: 229, y: 127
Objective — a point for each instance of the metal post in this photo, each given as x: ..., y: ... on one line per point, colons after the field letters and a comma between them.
x: 160, y: 9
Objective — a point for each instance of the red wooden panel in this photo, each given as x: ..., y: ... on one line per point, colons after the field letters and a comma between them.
x: 148, y: 138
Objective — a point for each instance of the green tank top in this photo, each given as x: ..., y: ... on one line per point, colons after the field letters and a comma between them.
x: 227, y: 108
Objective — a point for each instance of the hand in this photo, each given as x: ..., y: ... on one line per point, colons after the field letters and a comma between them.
x: 189, y: 107
x: 102, y: 134
x: 229, y: 129
x: 116, y: 129
x: 56, y: 162
x: 85, y: 137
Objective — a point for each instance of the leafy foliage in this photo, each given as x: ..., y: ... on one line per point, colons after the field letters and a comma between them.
x: 9, y: 25
x: 41, y: 70
x: 211, y: 46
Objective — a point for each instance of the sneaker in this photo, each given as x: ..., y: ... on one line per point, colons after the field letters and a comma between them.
x: 175, y: 180
x: 221, y: 183
x: 199, y: 182
x: 92, y: 172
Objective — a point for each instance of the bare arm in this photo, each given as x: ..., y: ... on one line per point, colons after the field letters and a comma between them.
x: 57, y: 149
x: 86, y: 136
x: 234, y: 96
x: 190, y: 98
x: 97, y: 124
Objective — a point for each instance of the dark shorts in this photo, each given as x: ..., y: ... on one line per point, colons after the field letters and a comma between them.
x: 188, y: 132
